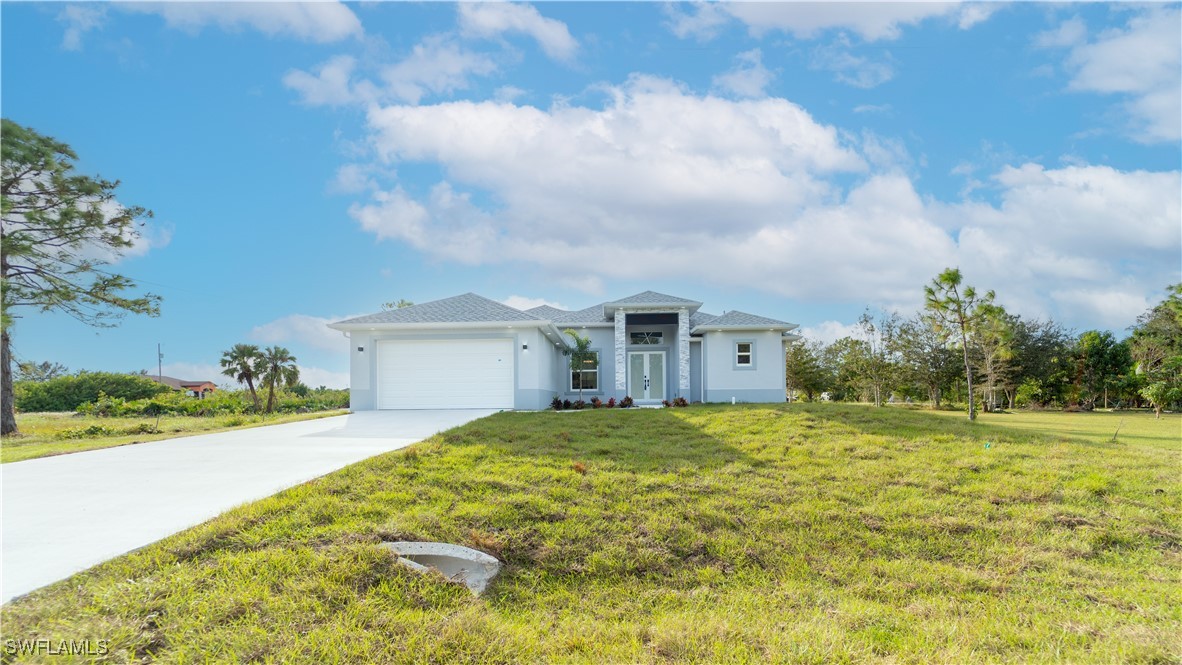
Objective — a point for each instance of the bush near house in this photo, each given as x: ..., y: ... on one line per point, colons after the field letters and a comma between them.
x: 67, y: 393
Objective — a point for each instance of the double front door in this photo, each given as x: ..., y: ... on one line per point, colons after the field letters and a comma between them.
x: 646, y: 375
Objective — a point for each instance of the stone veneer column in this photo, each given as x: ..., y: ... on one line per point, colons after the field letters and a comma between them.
x: 621, y: 344
x: 683, y: 353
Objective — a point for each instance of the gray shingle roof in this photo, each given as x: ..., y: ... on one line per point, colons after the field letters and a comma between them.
x: 468, y: 308
x: 593, y: 314
x: 700, y: 318
x: 741, y: 319
x: 546, y: 312
x: 652, y: 297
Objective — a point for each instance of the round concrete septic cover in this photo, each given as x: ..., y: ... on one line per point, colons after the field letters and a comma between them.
x: 465, y: 565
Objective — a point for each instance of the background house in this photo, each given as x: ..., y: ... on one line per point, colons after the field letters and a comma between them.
x: 196, y: 389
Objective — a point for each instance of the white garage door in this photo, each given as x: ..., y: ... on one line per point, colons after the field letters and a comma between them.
x: 454, y: 374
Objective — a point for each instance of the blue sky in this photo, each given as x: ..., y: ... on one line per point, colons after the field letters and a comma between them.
x: 307, y: 162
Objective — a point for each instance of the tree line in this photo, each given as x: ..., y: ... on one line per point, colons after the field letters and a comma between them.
x: 965, y: 348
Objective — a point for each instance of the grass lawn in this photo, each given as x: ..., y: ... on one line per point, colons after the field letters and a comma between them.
x: 45, y: 434
x: 810, y: 533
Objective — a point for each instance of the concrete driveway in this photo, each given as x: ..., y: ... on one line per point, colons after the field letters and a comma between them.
x: 67, y: 513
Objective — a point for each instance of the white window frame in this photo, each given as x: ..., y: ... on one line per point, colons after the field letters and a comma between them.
x: 750, y: 353
x: 571, y: 376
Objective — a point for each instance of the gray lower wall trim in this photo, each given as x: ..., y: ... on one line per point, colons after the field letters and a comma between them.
x: 746, y: 395
x: 532, y: 400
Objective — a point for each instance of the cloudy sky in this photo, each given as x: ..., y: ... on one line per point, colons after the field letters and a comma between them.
x: 308, y: 162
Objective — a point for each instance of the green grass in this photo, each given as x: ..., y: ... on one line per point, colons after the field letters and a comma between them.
x: 46, y: 434
x: 795, y: 533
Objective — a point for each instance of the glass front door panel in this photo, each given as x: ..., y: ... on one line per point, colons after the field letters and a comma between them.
x: 646, y: 375
x: 656, y: 376
x: 636, y: 375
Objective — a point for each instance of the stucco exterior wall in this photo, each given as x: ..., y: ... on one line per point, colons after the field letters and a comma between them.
x: 603, y: 340
x: 763, y: 381
x: 534, y: 380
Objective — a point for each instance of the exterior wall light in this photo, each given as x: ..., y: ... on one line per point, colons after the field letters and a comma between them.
x: 360, y: 349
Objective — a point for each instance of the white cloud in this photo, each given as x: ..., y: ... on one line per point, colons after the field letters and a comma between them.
x: 79, y: 20
x: 525, y: 302
x: 850, y: 69
x: 646, y: 184
x: 492, y: 19
x: 871, y: 21
x: 828, y: 332
x: 303, y: 330
x: 330, y: 85
x: 873, y: 108
x: 314, y: 377
x: 1141, y: 61
x: 1075, y: 236
x: 144, y: 236
x: 321, y: 21
x: 1071, y: 32
x: 508, y: 93
x: 748, y: 78
x: 704, y: 22
x: 437, y: 65
x: 352, y: 179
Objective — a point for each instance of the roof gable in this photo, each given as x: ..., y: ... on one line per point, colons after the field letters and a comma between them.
x: 737, y: 319
x: 467, y: 308
x: 652, y: 298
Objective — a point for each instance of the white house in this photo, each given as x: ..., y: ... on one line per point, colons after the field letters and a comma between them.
x: 472, y: 352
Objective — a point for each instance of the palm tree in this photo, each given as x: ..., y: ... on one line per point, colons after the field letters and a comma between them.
x: 581, y: 357
x: 242, y: 363
x: 278, y: 366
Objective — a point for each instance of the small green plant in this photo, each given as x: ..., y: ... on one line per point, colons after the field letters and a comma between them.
x: 86, y: 432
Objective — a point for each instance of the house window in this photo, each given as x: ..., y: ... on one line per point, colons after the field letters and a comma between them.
x: 645, y: 337
x: 586, y: 378
x: 744, y: 354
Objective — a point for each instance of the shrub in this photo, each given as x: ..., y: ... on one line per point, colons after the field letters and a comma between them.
x: 666, y: 403
x: 220, y: 403
x: 626, y: 402
x: 86, y: 432
x: 611, y: 402
x: 680, y: 401
x: 579, y: 405
x: 596, y: 403
x: 566, y: 404
x: 556, y: 404
x: 67, y: 393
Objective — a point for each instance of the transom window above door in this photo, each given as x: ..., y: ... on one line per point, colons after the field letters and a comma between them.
x: 653, y: 337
